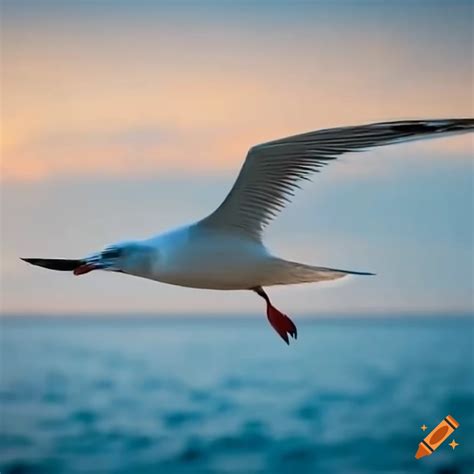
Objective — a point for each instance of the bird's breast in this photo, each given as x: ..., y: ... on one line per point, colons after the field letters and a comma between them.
x: 209, y: 261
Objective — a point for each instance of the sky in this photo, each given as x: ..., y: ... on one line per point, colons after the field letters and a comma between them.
x: 122, y: 119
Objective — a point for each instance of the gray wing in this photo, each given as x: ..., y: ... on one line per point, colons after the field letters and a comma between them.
x: 272, y: 171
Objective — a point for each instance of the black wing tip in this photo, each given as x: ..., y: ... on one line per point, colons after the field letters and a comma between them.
x: 361, y: 273
x: 419, y: 127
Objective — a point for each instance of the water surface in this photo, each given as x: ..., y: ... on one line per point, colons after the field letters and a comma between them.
x: 196, y: 395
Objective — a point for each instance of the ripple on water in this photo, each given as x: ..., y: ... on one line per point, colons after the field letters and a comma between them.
x: 240, y: 442
x: 84, y: 416
x: 27, y: 467
x: 180, y: 418
x: 8, y: 441
x: 115, y: 408
x: 138, y: 442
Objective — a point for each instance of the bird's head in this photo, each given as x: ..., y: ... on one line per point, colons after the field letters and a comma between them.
x: 131, y: 257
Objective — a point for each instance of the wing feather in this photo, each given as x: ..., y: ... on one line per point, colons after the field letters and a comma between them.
x: 272, y: 171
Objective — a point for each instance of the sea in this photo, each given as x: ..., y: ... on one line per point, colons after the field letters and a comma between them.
x: 224, y: 395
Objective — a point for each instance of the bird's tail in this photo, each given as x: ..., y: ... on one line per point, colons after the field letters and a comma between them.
x: 284, y: 272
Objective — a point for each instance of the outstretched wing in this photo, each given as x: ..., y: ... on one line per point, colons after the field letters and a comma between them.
x: 271, y: 172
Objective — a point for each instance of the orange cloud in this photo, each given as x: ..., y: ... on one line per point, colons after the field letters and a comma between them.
x: 72, y: 99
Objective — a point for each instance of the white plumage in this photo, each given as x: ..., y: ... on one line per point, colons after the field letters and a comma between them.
x: 224, y: 251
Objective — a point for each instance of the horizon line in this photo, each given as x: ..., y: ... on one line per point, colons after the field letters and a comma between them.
x: 420, y: 314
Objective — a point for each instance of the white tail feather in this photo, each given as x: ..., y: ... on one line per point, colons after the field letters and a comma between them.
x: 284, y: 272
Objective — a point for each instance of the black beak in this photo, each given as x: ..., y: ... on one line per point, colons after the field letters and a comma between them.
x: 63, y: 265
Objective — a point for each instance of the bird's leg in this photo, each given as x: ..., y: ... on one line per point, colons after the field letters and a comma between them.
x: 282, y: 324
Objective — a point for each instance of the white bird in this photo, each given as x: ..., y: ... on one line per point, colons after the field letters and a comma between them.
x: 224, y: 251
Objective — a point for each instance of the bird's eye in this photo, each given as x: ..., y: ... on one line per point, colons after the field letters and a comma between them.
x: 111, y: 253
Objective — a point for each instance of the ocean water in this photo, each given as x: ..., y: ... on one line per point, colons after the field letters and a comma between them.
x: 196, y: 395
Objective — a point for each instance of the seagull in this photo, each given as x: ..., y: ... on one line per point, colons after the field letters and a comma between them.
x: 225, y: 250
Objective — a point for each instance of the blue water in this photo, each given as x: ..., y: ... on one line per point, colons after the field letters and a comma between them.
x: 144, y: 395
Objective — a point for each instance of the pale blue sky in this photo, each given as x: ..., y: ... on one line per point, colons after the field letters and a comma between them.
x: 123, y: 120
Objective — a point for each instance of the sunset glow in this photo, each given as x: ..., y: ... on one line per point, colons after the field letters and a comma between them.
x: 100, y: 95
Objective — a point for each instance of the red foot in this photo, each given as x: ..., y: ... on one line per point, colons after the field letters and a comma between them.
x: 282, y: 324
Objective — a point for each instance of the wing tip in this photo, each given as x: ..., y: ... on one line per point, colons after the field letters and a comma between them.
x: 420, y: 127
x: 359, y: 273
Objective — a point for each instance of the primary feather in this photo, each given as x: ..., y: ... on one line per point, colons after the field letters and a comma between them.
x: 271, y: 172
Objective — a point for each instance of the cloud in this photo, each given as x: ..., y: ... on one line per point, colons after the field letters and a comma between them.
x: 139, y: 152
x: 122, y: 121
x: 86, y: 97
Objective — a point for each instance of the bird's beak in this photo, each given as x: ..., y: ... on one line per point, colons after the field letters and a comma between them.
x: 78, y: 267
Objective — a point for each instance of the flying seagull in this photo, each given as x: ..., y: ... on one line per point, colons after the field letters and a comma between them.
x: 225, y: 251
